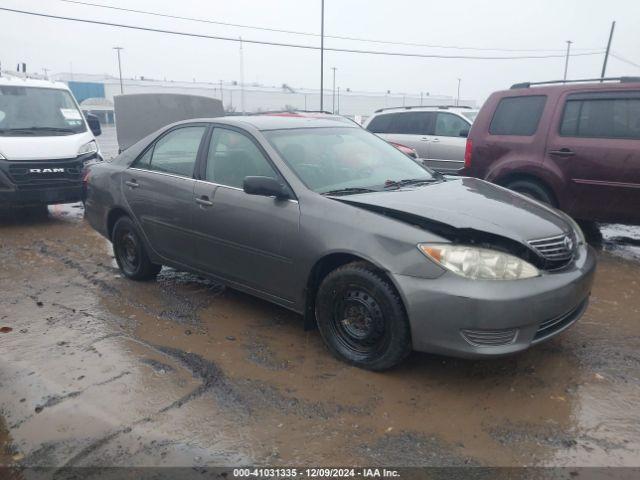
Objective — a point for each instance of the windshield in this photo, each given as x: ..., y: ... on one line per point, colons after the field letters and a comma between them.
x: 38, y: 111
x: 470, y: 115
x: 329, y: 159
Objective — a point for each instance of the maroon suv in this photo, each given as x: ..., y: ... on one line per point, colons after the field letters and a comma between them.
x: 574, y: 145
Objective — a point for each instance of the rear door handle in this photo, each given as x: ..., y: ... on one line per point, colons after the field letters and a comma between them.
x: 435, y: 140
x: 204, y: 201
x: 563, y: 152
x: 132, y: 183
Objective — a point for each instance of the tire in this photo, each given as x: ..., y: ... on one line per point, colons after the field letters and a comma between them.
x: 361, y: 318
x: 532, y: 189
x: 130, y: 252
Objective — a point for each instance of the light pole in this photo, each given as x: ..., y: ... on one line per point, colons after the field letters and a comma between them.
x: 566, y: 61
x: 117, y: 49
x: 333, y: 101
x: 458, y: 97
x: 606, y: 55
x: 241, y: 78
x: 322, y: 55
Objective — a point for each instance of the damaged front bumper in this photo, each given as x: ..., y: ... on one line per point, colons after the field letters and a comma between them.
x: 456, y: 316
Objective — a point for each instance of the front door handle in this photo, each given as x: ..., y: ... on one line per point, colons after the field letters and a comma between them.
x: 132, y: 183
x: 204, y: 201
x: 435, y: 140
x: 563, y: 152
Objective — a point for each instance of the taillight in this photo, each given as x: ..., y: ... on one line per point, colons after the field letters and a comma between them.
x: 467, y: 153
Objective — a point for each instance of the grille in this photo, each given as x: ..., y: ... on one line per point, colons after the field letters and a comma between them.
x: 24, y: 173
x: 554, y: 249
x: 490, y: 338
x: 553, y: 325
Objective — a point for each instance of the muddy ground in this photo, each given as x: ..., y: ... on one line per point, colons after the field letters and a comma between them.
x: 99, y: 370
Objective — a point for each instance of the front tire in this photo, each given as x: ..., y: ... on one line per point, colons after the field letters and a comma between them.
x: 130, y: 252
x: 361, y: 318
x: 532, y: 189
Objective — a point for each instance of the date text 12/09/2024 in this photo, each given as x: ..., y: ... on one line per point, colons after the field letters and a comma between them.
x: 315, y: 473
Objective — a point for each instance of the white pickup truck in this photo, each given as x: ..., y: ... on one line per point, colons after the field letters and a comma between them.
x: 45, y: 143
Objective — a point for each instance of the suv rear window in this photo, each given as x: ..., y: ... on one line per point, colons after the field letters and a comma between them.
x: 518, y: 115
x: 602, y: 117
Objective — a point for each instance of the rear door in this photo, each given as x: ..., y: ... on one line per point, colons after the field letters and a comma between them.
x: 248, y: 239
x: 159, y: 189
x: 412, y: 129
x: 446, y: 146
x: 595, y: 143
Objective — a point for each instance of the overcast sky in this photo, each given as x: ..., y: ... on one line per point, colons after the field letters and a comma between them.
x: 512, y: 24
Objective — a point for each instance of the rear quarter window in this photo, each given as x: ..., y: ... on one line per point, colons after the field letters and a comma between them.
x: 518, y: 115
x: 602, y: 116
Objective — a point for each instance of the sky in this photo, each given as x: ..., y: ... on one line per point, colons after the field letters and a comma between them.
x: 61, y: 46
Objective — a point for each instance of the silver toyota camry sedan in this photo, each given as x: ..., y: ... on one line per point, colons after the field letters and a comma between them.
x: 326, y: 219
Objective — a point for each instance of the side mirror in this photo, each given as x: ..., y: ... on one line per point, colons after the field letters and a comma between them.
x: 94, y: 124
x: 464, y: 132
x: 265, y: 186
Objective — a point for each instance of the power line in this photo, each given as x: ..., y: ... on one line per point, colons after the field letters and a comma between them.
x: 310, y: 34
x: 291, y: 45
x: 622, y: 59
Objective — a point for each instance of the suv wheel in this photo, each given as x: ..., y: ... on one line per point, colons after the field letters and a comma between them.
x: 361, y: 318
x: 130, y: 251
x: 532, y: 189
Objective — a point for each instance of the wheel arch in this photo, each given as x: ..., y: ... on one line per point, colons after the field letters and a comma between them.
x: 531, y: 177
x: 112, y: 217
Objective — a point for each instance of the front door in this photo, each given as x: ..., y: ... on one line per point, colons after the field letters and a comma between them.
x: 447, y: 145
x: 595, y: 144
x: 248, y: 239
x: 160, y: 184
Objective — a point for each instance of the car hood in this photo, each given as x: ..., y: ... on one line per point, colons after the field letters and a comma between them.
x: 43, y: 147
x: 468, y: 203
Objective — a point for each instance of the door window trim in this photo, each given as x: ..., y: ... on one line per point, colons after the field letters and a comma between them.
x: 152, y: 147
x: 201, y: 168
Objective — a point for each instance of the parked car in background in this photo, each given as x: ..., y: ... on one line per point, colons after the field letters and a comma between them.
x: 573, y: 145
x: 437, y: 134
x: 45, y: 143
x: 332, y: 222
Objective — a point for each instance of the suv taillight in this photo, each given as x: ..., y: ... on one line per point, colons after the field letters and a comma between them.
x: 467, y: 153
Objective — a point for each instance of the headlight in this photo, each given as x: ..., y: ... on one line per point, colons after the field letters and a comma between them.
x: 479, y: 263
x: 91, y: 147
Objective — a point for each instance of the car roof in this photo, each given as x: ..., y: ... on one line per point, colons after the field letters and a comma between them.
x: 19, y: 81
x: 275, y: 122
x: 533, y: 89
x: 430, y: 108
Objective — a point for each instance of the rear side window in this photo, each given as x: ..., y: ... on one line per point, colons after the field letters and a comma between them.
x: 602, y: 118
x: 518, y: 115
x: 406, y: 123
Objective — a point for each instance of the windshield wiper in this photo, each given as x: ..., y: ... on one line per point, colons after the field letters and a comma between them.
x: 39, y: 129
x: 408, y: 181
x: 349, y: 191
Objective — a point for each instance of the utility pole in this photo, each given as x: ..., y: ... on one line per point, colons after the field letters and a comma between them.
x: 420, y: 98
x: 241, y: 78
x: 117, y: 49
x: 333, y: 98
x: 221, y: 94
x: 458, y: 96
x: 322, y: 55
x: 46, y: 73
x: 606, y: 55
x: 566, y: 61
x: 338, y: 111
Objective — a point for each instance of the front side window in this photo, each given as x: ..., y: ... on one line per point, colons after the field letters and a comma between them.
x: 602, y: 118
x: 30, y: 111
x: 175, y: 153
x: 328, y: 159
x: 518, y: 115
x: 232, y: 157
x: 449, y: 125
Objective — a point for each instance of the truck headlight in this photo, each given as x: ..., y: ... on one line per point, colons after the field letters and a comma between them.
x: 90, y: 147
x: 479, y: 263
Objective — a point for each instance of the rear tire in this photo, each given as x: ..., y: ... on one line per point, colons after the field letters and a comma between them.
x: 130, y: 252
x: 361, y: 318
x: 534, y: 190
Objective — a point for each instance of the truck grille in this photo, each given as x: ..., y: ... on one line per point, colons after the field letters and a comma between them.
x: 38, y: 174
x: 557, y: 251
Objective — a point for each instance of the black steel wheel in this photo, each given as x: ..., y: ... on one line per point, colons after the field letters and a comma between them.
x: 361, y: 317
x: 130, y: 252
